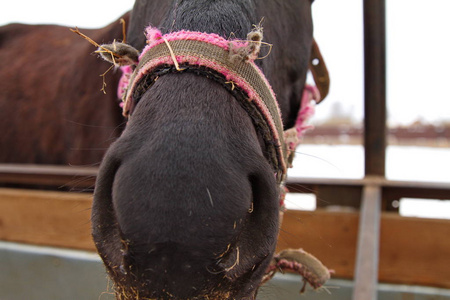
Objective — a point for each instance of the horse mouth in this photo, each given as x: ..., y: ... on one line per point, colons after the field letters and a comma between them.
x: 218, y: 268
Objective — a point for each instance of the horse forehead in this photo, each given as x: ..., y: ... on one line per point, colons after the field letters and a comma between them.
x: 269, y: 13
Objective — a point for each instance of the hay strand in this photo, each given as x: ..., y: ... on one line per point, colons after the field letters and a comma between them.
x: 103, y: 79
x: 77, y: 31
x: 124, y: 30
x: 172, y: 55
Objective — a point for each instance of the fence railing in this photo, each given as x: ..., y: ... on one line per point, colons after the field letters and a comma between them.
x: 384, y: 238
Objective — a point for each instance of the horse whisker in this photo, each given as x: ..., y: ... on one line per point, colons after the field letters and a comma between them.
x: 210, y: 198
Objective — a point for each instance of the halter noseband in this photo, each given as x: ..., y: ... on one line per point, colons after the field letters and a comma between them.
x: 231, y: 63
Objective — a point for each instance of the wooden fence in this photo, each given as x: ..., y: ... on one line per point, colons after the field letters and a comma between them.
x: 407, y: 251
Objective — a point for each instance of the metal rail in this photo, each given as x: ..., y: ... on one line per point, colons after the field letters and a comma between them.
x: 84, y: 177
x: 48, y: 175
x: 366, y: 270
x: 374, y: 87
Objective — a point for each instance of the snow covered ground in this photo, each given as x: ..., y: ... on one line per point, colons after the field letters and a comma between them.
x: 402, y: 163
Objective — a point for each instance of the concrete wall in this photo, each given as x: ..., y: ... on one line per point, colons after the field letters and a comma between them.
x: 43, y: 273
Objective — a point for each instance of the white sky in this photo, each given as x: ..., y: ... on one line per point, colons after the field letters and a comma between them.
x: 418, y: 46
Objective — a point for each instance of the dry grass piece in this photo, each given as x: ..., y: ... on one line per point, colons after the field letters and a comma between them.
x: 77, y: 31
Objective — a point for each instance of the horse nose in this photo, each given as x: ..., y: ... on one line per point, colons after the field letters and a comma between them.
x: 186, y: 184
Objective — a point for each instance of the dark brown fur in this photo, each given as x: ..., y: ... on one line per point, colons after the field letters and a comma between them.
x: 51, y: 108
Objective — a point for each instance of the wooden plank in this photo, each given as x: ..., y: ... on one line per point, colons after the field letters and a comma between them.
x: 308, y: 183
x: 415, y: 250
x: 366, y: 271
x: 326, y: 190
x: 412, y: 250
x: 84, y: 177
x: 57, y: 219
x: 349, y: 190
x: 349, y: 196
x: 331, y: 237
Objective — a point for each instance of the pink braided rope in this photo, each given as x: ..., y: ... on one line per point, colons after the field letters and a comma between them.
x: 309, y: 276
x: 124, y: 81
x: 307, y: 109
x: 155, y: 37
x: 293, y: 136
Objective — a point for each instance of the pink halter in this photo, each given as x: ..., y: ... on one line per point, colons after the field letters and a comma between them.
x: 234, y: 60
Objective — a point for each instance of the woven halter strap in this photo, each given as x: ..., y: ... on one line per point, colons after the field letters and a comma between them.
x: 232, y: 61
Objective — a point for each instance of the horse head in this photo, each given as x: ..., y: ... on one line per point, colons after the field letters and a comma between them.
x: 187, y: 200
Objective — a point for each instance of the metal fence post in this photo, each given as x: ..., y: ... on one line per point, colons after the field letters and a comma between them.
x: 374, y: 87
x: 366, y: 270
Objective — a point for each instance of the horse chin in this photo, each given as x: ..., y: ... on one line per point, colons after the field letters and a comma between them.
x: 145, y: 281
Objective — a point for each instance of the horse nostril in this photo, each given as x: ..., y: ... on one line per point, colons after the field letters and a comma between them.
x: 250, y: 210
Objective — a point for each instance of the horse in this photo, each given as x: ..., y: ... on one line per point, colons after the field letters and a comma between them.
x: 51, y: 108
x: 187, y: 199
